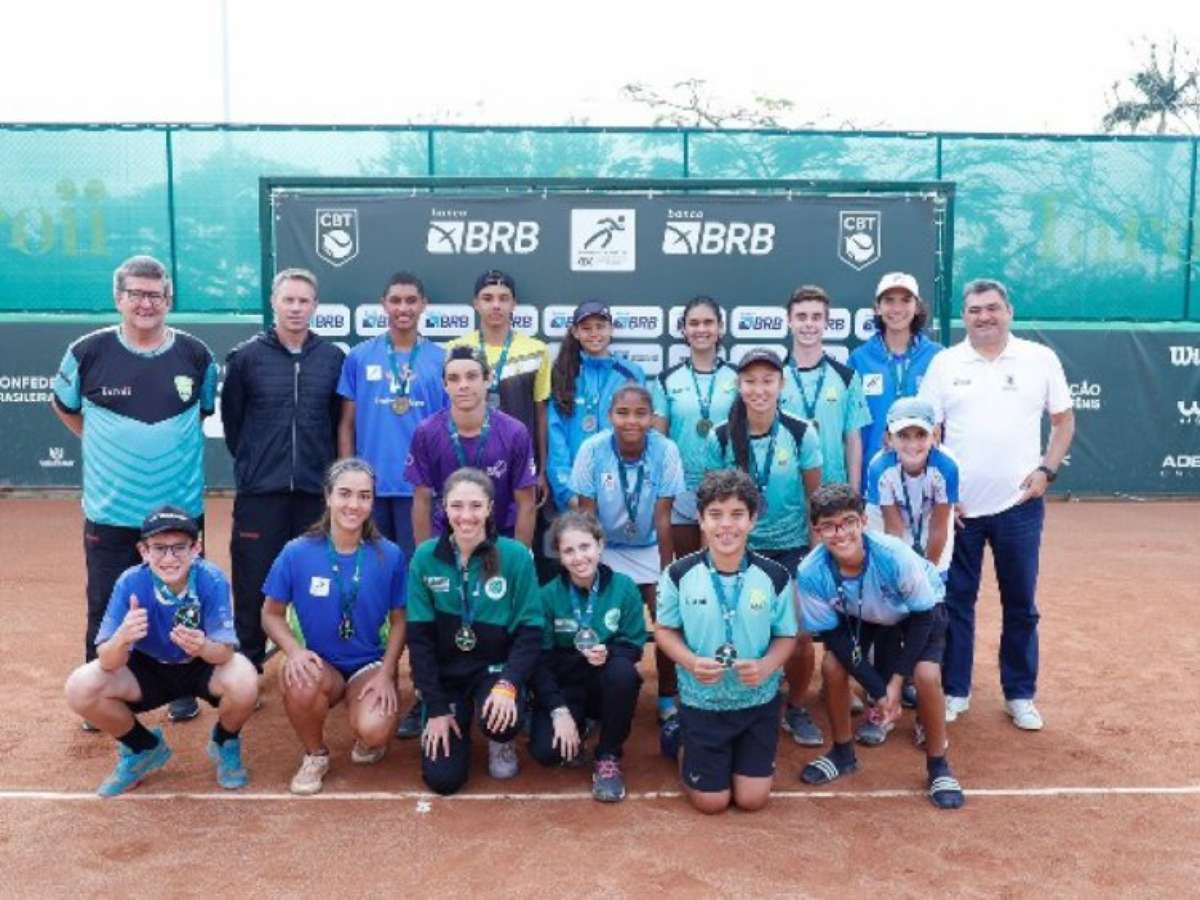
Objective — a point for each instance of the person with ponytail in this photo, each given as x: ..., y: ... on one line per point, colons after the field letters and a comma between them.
x: 782, y: 454
x: 595, y: 635
x: 690, y: 399
x: 629, y: 475
x: 475, y: 635
x: 344, y: 585
x: 582, y: 383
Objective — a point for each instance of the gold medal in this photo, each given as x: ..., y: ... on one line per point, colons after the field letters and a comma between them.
x: 400, y: 405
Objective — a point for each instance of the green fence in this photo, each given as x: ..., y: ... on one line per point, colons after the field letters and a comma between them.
x: 1082, y: 228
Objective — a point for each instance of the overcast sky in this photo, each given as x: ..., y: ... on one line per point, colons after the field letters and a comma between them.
x: 925, y: 64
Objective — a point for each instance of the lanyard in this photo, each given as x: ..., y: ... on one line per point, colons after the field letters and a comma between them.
x: 346, y: 595
x: 843, y: 597
x: 632, y: 500
x: 591, y: 399
x: 464, y: 578
x: 459, y: 451
x: 916, y: 523
x: 762, y: 479
x: 705, y: 402
x: 728, y: 607
x: 901, y: 362
x: 187, y: 612
x: 810, y: 409
x: 498, y: 372
x: 583, y: 613
x: 403, y: 386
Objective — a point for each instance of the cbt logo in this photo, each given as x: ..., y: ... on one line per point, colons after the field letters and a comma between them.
x: 603, y: 240
x: 1085, y: 395
x: 370, y: 320
x: 331, y: 320
x: 688, y: 233
x: 337, y: 235
x: 837, y: 326
x: 556, y: 320
x: 473, y: 236
x: 1189, y: 412
x: 447, y: 320
x: 860, y: 237
x: 637, y: 321
x: 759, y: 322
x: 1185, y: 356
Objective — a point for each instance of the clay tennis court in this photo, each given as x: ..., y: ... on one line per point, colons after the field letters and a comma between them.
x: 1104, y: 801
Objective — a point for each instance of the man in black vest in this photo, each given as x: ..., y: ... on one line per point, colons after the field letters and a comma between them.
x: 280, y: 409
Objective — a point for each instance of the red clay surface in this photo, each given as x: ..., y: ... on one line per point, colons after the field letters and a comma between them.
x: 1120, y: 668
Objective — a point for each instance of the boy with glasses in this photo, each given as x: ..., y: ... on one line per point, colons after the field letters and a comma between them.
x: 167, y: 633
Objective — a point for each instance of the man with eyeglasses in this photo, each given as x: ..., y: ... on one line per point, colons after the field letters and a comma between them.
x: 167, y: 633
x: 989, y: 393
x: 135, y: 393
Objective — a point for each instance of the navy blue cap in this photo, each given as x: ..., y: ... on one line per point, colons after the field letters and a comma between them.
x: 757, y: 355
x: 495, y: 276
x: 169, y: 518
x: 591, y: 308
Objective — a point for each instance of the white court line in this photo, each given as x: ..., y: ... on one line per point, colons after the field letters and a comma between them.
x: 375, y: 796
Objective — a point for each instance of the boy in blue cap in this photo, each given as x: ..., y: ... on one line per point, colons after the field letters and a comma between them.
x: 167, y: 633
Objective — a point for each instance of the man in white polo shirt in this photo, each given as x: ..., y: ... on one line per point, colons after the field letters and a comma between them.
x: 989, y: 393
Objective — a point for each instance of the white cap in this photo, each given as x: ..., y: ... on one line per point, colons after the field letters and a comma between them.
x: 897, y: 280
x: 908, y: 412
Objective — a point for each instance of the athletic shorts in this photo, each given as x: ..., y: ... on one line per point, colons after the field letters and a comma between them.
x: 639, y: 563
x: 720, y: 744
x: 347, y: 674
x: 683, y: 509
x: 788, y: 558
x: 160, y: 682
x: 886, y: 642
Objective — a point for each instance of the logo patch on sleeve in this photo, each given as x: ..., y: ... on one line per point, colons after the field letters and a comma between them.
x: 438, y: 583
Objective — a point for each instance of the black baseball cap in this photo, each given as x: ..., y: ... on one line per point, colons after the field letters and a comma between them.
x: 591, y: 308
x: 495, y: 276
x: 169, y: 518
x: 757, y: 355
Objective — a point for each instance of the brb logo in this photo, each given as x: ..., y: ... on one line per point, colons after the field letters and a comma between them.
x: 759, y: 322
x: 688, y: 233
x: 448, y: 320
x: 331, y: 320
x: 860, y: 238
x: 1189, y: 412
x: 1185, y: 356
x: 837, y: 326
x: 524, y: 320
x: 637, y: 321
x: 337, y: 235
x: 474, y: 236
x: 1085, y: 394
x: 556, y: 320
x: 370, y: 320
x: 603, y: 240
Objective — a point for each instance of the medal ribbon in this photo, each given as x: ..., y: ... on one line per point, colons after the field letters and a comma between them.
x: 498, y: 372
x: 632, y: 500
x: 591, y: 399
x: 464, y: 578
x: 403, y: 386
x: 900, y: 365
x: 186, y: 604
x: 705, y: 403
x: 347, y: 596
x: 761, y: 482
x: 810, y: 409
x: 728, y: 609
x: 916, y: 523
x: 459, y: 450
x: 843, y: 596
x: 583, y: 613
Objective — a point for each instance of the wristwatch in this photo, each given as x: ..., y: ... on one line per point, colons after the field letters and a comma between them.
x: 1050, y: 473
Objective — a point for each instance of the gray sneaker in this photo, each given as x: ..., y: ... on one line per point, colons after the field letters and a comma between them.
x: 799, y: 724
x: 502, y: 759
x: 608, y: 785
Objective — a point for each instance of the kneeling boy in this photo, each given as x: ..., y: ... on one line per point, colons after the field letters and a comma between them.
x: 167, y: 633
x: 860, y: 592
x: 726, y: 619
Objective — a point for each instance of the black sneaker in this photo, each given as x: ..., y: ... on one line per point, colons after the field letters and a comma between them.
x: 669, y: 737
x: 608, y: 784
x: 908, y: 695
x: 410, y: 725
x: 183, y: 709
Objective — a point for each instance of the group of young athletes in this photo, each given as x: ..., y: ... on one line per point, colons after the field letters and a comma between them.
x: 507, y: 521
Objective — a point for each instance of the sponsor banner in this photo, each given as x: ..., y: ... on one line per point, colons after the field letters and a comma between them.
x: 860, y: 238
x: 760, y: 323
x: 370, y: 320
x: 864, y: 323
x: 474, y: 237
x: 648, y: 356
x: 603, y: 240
x: 447, y: 320
x: 677, y: 353
x: 1184, y: 354
x: 737, y: 351
x: 332, y: 320
x: 336, y: 240
x: 556, y: 321
x: 690, y: 233
x: 838, y: 326
x: 525, y: 319
x: 637, y: 321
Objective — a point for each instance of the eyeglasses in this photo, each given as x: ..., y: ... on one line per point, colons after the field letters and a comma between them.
x: 155, y: 297
x: 846, y: 526
x: 160, y: 551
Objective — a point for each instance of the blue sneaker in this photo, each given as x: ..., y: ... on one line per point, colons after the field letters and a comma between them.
x: 183, y: 709
x: 231, y: 773
x: 669, y: 737
x: 133, y: 767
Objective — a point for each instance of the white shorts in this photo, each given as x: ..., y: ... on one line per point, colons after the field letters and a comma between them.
x: 639, y: 563
x: 683, y: 509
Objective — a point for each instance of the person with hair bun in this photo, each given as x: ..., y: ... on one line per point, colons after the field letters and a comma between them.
x: 344, y: 584
x: 475, y: 633
x: 595, y: 634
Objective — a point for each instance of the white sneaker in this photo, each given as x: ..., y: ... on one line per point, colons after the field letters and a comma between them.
x: 311, y: 774
x: 362, y: 755
x: 956, y: 706
x: 1024, y: 714
x: 502, y: 759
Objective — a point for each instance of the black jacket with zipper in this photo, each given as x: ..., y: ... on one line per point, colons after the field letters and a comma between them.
x: 280, y: 411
